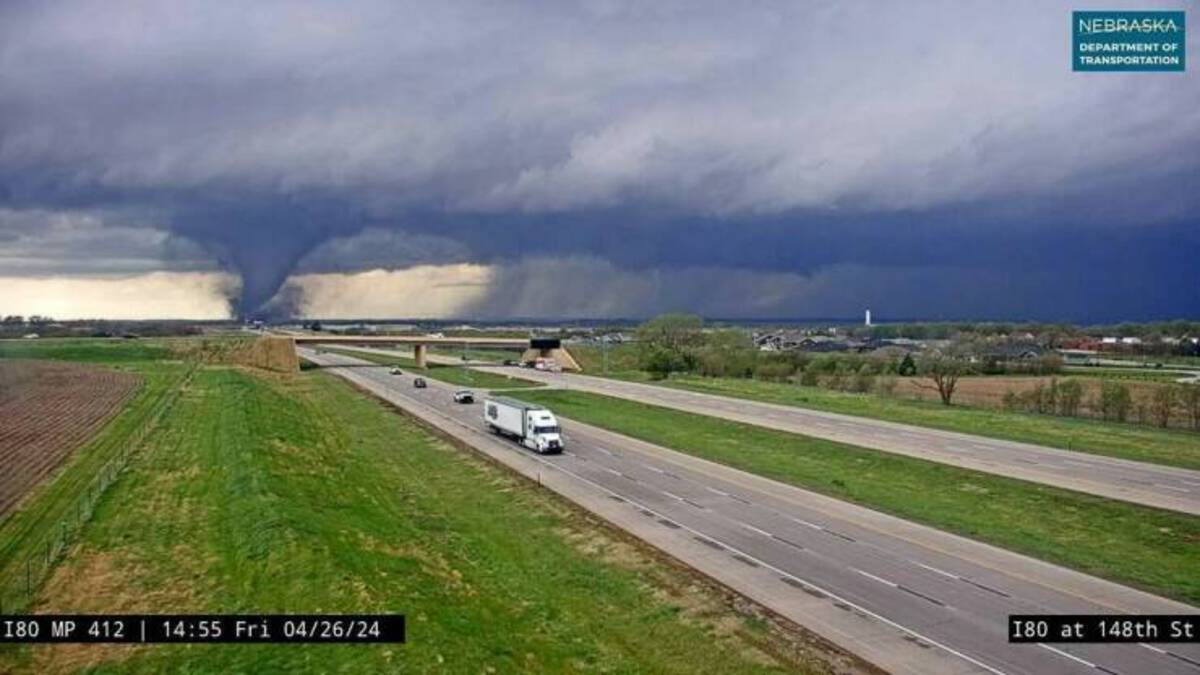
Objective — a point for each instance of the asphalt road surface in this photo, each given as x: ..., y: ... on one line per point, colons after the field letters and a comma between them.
x: 1138, y: 482
x: 906, y: 597
x: 1143, y: 483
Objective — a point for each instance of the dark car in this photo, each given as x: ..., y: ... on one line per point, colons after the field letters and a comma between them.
x: 419, y: 383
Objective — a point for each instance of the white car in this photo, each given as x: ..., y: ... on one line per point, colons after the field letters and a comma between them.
x: 396, y: 370
x: 464, y: 396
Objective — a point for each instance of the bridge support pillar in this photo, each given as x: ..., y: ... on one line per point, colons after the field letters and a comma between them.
x: 419, y: 355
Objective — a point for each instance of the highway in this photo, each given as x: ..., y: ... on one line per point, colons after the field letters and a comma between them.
x: 1154, y: 485
x: 908, y: 598
x: 1143, y: 483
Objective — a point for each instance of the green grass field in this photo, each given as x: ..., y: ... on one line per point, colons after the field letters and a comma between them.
x: 1155, y: 550
x: 88, y: 350
x: 270, y: 493
x: 621, y: 358
x: 439, y: 371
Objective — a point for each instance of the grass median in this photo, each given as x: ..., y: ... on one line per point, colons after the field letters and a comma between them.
x: 456, y: 375
x: 271, y: 493
x: 1170, y: 447
x: 1155, y: 550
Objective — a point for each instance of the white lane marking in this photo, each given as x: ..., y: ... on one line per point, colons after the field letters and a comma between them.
x: 673, y: 496
x: 613, y: 471
x: 716, y: 491
x: 655, y: 469
x: 936, y: 570
x: 944, y: 647
x: 879, y: 579
x: 755, y: 529
x: 804, y: 522
x: 878, y: 617
x: 1069, y: 656
x: 606, y: 451
x: 1153, y: 648
x: 1189, y: 482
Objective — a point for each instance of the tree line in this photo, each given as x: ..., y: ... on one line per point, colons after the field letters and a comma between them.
x: 679, y: 343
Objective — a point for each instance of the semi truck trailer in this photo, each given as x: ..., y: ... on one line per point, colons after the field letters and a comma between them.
x: 532, y: 425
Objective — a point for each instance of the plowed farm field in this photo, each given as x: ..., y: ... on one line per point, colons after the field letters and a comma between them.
x: 47, y: 411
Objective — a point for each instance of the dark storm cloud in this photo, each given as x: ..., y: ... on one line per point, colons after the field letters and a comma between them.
x: 716, y: 140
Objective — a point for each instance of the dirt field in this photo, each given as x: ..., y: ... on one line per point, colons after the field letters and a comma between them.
x: 47, y: 410
x: 988, y: 392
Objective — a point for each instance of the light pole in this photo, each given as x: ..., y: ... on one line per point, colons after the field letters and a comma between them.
x: 469, y: 375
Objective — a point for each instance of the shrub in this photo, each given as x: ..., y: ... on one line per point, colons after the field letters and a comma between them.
x: 1162, y: 404
x: 1115, y: 401
x: 775, y: 371
x: 863, y: 380
x: 1011, y: 401
x: 1070, y: 396
x: 1189, y: 397
x: 886, y: 385
x: 837, y: 379
x: 810, y: 377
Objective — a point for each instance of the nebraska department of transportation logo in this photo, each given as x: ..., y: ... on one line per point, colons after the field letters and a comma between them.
x: 1125, y: 41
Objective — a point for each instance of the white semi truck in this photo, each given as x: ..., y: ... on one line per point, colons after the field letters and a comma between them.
x: 532, y: 425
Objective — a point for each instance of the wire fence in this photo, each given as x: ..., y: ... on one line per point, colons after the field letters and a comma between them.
x: 51, y: 540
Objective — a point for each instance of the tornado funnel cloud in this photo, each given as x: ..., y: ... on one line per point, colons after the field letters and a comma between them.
x: 263, y: 244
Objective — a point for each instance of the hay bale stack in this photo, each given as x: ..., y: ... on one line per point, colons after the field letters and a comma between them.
x: 274, y: 353
x: 270, y: 352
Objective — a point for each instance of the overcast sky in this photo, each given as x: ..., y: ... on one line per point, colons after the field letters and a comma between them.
x: 770, y: 159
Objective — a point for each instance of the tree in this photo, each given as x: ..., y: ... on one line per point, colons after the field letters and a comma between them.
x: 659, y: 362
x: 943, y: 370
x: 1115, y: 401
x: 1070, y: 396
x: 1189, y: 398
x: 1162, y: 404
x: 907, y: 366
x: 728, y: 353
x: 669, y: 341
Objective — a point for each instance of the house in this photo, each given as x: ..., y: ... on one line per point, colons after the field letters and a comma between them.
x: 1079, y: 357
x: 1014, y: 351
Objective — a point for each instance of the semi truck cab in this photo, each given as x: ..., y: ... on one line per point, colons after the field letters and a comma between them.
x: 544, y: 434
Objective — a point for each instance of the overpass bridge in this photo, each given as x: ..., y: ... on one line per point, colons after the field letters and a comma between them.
x: 531, y: 348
